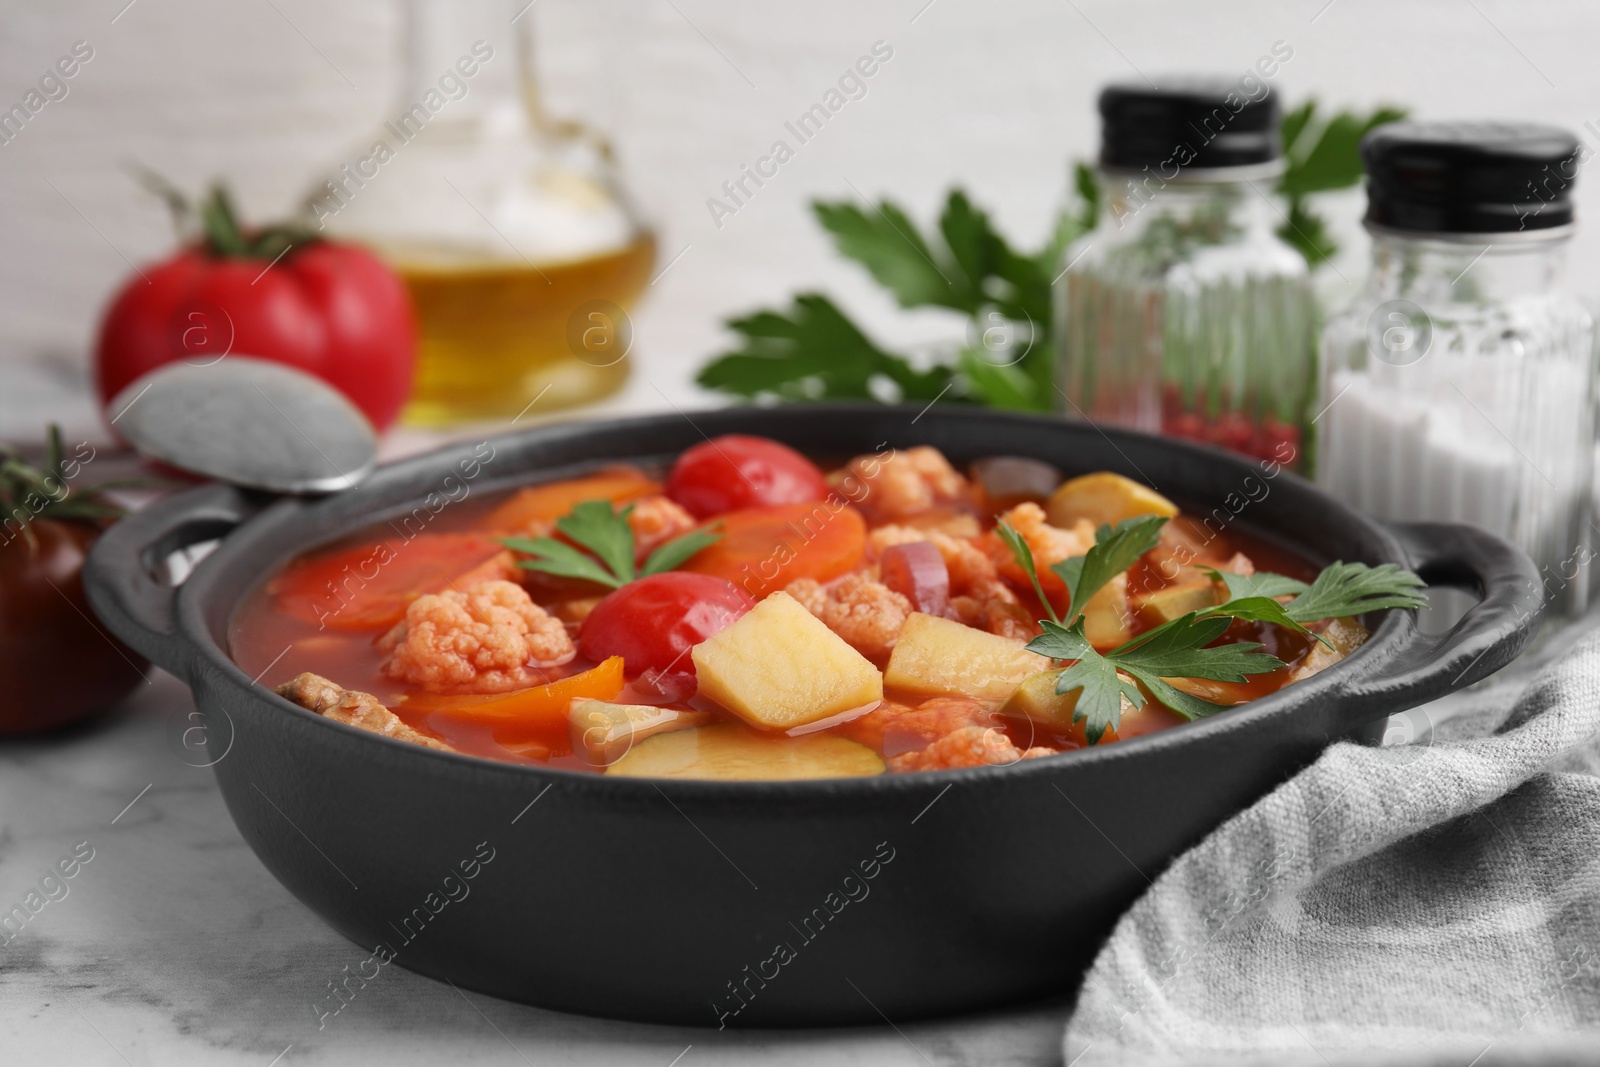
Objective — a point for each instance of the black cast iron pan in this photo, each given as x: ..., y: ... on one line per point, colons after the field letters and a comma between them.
x: 763, y: 904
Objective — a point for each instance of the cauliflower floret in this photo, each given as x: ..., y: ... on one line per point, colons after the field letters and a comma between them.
x: 891, y: 728
x: 1050, y: 544
x: 992, y: 606
x: 970, y: 570
x: 907, y: 483
x: 867, y: 614
x: 970, y: 746
x: 888, y: 536
x: 655, y: 521
x: 954, y: 524
x: 487, y: 639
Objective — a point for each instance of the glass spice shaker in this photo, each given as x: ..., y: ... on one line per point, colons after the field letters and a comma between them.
x: 1183, y: 312
x: 511, y: 228
x: 1461, y: 384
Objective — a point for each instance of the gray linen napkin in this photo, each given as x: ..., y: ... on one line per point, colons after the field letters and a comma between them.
x: 1436, y: 902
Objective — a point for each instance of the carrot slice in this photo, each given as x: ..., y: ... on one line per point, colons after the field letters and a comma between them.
x: 368, y: 586
x: 764, y: 549
x: 535, y: 707
x: 547, y: 503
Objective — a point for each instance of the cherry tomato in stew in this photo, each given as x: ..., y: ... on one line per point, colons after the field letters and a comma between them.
x: 653, y: 622
x: 737, y: 471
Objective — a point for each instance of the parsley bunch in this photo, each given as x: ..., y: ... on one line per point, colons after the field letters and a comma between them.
x: 598, y: 527
x: 813, y: 351
x: 1182, y: 648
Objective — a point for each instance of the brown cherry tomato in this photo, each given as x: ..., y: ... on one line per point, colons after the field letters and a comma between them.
x: 59, y: 665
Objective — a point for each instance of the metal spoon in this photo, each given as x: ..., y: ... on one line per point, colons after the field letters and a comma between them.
x: 248, y: 422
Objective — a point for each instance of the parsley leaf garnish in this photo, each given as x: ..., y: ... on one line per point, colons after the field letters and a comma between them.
x: 604, y: 531
x: 1254, y: 599
x: 1101, y: 689
x: 559, y: 558
x: 678, y: 551
x: 1261, y: 583
x: 1024, y: 557
x: 1116, y: 548
x: 1341, y: 590
x: 1183, y: 647
x: 1176, y: 650
x: 594, y: 525
x: 1354, y: 589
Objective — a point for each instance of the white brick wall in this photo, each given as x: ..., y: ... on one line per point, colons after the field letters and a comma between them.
x: 995, y: 95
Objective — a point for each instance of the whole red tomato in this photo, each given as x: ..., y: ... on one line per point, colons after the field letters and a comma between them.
x: 738, y: 471
x: 329, y: 309
x: 653, y: 622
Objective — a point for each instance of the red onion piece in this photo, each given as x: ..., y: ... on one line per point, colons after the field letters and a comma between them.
x: 916, y: 570
x: 1007, y: 481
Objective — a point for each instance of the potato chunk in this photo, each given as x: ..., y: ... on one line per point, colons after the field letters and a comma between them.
x: 736, y: 753
x: 1104, y: 499
x: 779, y: 667
x: 937, y: 655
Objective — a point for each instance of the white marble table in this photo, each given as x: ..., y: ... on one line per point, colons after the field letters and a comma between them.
x: 174, y: 946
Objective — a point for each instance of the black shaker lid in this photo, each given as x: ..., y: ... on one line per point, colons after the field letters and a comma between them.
x: 1469, y: 177
x: 1191, y: 123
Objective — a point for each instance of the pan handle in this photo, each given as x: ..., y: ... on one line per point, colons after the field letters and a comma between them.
x: 1490, y: 635
x: 122, y: 575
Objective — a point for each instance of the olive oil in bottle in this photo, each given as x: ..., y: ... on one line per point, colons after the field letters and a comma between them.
x: 511, y: 229
x: 495, y: 336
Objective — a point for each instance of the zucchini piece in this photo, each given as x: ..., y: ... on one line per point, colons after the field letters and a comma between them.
x: 730, y: 752
x: 941, y: 656
x: 1105, y: 499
